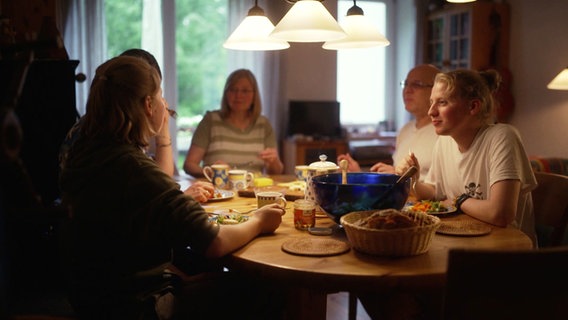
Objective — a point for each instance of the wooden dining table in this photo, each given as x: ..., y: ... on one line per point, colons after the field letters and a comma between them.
x: 310, y: 278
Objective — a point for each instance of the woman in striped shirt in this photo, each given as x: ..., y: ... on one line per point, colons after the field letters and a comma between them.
x: 237, y: 134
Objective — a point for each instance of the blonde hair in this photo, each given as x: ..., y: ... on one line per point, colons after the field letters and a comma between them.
x: 116, y: 103
x: 256, y: 107
x: 473, y: 85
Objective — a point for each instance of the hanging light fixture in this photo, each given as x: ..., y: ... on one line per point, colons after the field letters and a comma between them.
x: 361, y: 33
x: 460, y: 1
x: 307, y: 21
x: 253, y: 33
x: 560, y: 82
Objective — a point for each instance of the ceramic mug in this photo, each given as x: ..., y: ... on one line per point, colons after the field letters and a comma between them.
x: 240, y: 179
x: 218, y: 175
x: 267, y: 197
x: 302, y: 172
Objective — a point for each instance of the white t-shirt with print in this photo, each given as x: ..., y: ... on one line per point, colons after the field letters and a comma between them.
x: 419, y: 141
x: 496, y: 154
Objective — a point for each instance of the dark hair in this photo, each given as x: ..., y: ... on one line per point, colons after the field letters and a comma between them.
x: 141, y: 53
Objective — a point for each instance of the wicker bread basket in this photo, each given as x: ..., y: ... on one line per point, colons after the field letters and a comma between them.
x: 392, y: 242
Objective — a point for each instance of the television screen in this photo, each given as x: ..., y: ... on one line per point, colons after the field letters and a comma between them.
x: 318, y: 119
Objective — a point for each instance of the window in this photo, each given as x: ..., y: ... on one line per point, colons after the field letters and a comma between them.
x: 361, y: 72
x: 201, y: 27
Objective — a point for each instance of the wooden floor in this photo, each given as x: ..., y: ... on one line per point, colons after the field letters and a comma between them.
x: 338, y: 307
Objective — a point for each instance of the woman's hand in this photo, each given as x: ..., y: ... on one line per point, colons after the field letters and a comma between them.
x: 201, y: 191
x: 271, y: 160
x: 269, y: 155
x: 353, y: 165
x: 270, y: 217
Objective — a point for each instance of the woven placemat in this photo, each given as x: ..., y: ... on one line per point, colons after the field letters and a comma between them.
x: 315, y: 247
x: 463, y: 228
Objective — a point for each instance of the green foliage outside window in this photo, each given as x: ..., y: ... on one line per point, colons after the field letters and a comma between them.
x: 201, y: 28
x: 201, y: 60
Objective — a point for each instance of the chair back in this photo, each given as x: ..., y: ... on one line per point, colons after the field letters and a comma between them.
x: 550, y: 201
x: 521, y: 284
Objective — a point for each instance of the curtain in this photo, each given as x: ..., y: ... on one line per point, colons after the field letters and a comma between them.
x: 85, y: 40
x: 84, y: 35
x: 168, y: 63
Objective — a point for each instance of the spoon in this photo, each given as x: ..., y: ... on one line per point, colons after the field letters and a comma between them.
x: 405, y: 176
x: 409, y: 173
x: 343, y: 164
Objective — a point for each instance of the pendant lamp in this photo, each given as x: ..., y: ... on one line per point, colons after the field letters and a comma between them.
x: 560, y: 82
x: 460, y: 1
x: 308, y: 21
x: 361, y: 33
x: 253, y: 33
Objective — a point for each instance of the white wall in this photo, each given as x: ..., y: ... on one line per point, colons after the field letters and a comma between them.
x: 308, y: 69
x: 308, y: 72
x: 539, y: 51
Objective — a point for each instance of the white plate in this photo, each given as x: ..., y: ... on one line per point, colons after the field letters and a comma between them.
x: 221, y: 195
x: 228, y: 218
x: 449, y: 210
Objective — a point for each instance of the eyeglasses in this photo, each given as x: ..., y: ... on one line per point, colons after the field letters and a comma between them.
x: 243, y: 91
x: 415, y: 85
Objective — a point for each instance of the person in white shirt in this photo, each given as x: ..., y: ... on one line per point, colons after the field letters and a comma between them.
x: 418, y: 135
x: 479, y: 166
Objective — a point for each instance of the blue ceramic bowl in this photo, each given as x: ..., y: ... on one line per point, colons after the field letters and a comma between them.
x: 362, y: 191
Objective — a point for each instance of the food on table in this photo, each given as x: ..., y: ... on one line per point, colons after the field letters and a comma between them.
x: 262, y: 182
x: 428, y: 206
x: 387, y: 219
x: 294, y: 185
x: 233, y: 218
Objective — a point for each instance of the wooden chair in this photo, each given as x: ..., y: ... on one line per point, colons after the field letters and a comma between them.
x: 550, y: 201
x: 489, y: 284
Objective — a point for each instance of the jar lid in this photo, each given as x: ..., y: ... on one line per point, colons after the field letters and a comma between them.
x: 323, y: 164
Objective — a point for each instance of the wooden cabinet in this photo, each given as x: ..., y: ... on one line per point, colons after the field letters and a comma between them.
x: 298, y: 152
x: 473, y: 35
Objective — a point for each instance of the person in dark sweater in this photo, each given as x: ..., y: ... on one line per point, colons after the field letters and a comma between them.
x: 127, y: 214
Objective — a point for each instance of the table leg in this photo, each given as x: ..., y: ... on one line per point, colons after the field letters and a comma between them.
x: 352, y: 306
x: 304, y: 303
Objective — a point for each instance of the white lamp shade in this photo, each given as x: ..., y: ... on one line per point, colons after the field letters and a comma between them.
x: 253, y: 34
x: 361, y: 33
x: 560, y: 82
x: 460, y: 1
x: 308, y: 21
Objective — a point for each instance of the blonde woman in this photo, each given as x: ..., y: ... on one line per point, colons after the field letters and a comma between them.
x: 237, y: 134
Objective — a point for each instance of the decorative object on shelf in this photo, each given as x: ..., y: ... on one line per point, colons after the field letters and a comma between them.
x: 361, y: 33
x: 308, y: 21
x: 560, y: 82
x: 254, y: 33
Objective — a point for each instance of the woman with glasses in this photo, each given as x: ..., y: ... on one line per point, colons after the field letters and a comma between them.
x: 237, y: 134
x: 418, y: 134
